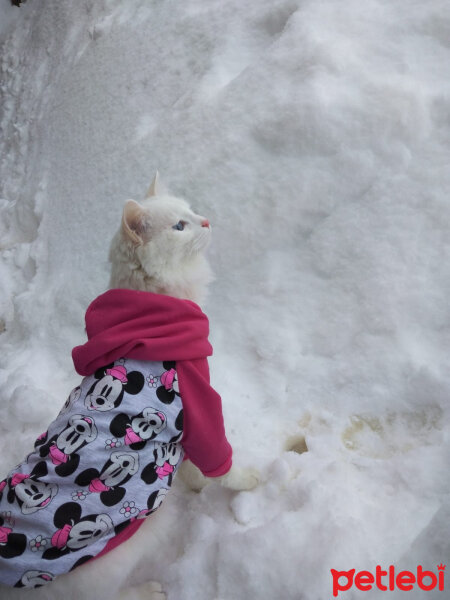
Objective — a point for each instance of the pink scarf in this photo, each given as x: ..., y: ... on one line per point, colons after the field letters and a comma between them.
x: 141, y: 325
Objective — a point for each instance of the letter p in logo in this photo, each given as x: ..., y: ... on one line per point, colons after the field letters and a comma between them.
x: 338, y: 587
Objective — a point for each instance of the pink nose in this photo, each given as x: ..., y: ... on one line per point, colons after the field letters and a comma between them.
x: 205, y: 223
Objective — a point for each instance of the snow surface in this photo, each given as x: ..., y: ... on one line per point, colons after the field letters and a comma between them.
x: 315, y: 136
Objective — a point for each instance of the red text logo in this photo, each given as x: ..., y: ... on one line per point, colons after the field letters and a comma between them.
x: 388, y: 580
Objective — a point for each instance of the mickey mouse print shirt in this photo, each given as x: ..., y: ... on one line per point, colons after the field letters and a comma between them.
x: 109, y: 458
x: 106, y: 461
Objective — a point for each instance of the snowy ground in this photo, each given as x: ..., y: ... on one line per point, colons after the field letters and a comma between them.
x: 315, y: 136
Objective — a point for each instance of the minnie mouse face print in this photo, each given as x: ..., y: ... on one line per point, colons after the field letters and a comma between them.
x: 34, y: 579
x: 11, y: 544
x: 109, y: 482
x: 30, y: 493
x: 75, y: 532
x: 62, y: 448
x: 139, y: 429
x: 170, y: 387
x: 165, y: 459
x: 113, y: 381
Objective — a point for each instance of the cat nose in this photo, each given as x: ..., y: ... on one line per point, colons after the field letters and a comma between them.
x: 205, y: 223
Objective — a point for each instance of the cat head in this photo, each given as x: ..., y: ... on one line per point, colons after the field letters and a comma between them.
x: 160, y: 247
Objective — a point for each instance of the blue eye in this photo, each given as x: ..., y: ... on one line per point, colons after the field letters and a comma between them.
x: 179, y: 226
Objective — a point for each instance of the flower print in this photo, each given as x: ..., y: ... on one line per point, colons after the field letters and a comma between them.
x: 128, y: 509
x: 79, y: 495
x: 153, y: 381
x: 38, y: 544
x: 113, y: 443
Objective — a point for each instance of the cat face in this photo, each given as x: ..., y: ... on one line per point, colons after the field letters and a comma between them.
x: 160, y: 247
x: 167, y: 227
x: 165, y: 232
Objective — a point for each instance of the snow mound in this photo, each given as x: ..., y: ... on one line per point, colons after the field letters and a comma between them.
x: 314, y: 135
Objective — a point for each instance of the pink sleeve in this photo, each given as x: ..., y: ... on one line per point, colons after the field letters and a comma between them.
x: 204, y: 439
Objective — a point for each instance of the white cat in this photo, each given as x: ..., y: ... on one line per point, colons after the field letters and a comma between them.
x: 159, y: 248
x: 65, y: 497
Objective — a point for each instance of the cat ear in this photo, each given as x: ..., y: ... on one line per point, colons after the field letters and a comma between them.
x: 154, y: 187
x: 134, y: 224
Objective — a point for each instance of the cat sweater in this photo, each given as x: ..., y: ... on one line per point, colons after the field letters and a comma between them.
x: 148, y: 326
x: 108, y: 459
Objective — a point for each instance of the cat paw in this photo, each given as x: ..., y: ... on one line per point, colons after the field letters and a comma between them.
x: 150, y: 590
x: 240, y: 479
x: 237, y: 478
x: 192, y: 476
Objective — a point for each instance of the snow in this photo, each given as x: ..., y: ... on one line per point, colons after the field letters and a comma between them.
x: 315, y: 136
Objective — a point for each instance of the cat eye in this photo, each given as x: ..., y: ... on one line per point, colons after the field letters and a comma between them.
x: 179, y: 226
